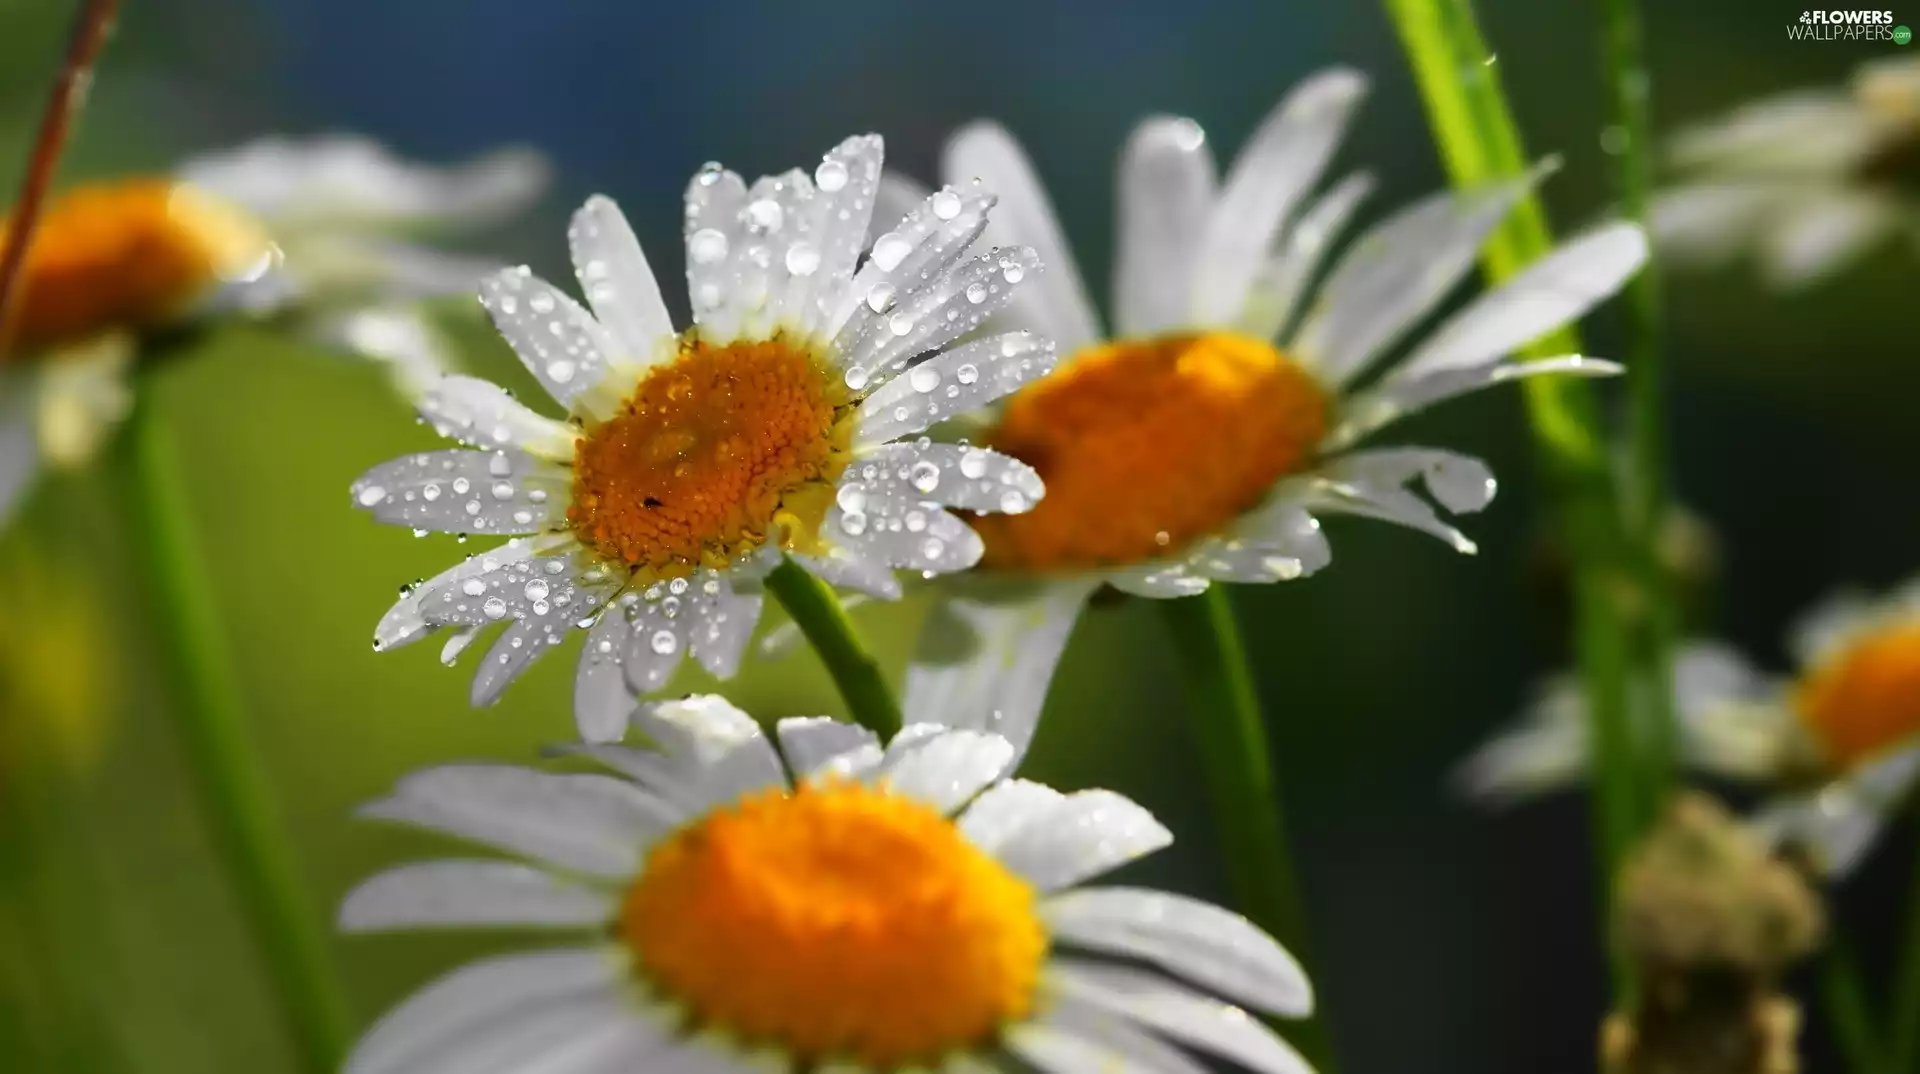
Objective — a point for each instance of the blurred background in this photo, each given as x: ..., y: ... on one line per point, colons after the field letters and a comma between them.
x: 1445, y: 937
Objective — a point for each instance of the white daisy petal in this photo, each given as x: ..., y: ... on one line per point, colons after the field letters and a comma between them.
x: 925, y: 245
x: 703, y: 616
x: 555, y: 589
x: 345, y: 181
x: 1709, y: 222
x: 951, y: 475
x: 1461, y: 483
x: 897, y: 196
x: 1166, y: 189
x: 726, y: 625
x: 449, y: 893
x: 715, y: 245
x: 946, y: 770
x: 601, y: 700
x: 1074, y: 1038
x: 559, y: 342
x: 931, y: 317
x: 711, y: 746
x: 775, y: 222
x: 1545, y: 750
x: 1823, y: 234
x: 589, y: 823
x: 619, y: 284
x: 987, y: 665
x: 1398, y: 396
x: 969, y: 376
x: 1203, y: 943
x: 504, y: 492
x: 1083, y: 835
x: 1810, y: 132
x: 1279, y: 164
x: 904, y: 534
x: 1005, y: 809
x: 407, y: 621
x: 1057, y: 306
x: 1180, y: 1013
x: 476, y: 994
x: 809, y: 742
x: 842, y: 569
x: 1160, y: 580
x: 569, y: 1037
x: 481, y: 414
x: 512, y: 652
x: 399, y: 335
x: 1558, y: 289
x: 1276, y: 542
x: 1839, y: 823
x: 1395, y: 273
x: 847, y: 180
x: 1274, y: 296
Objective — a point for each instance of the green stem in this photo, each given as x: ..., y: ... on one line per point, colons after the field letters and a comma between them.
x: 1224, y: 712
x: 233, y: 783
x: 1629, y: 98
x: 1845, y: 999
x: 1459, y: 81
x: 817, y: 612
x: 1904, y: 1018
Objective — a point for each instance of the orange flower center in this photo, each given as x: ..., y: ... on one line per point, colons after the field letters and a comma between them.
x: 1866, y: 697
x: 716, y: 452
x: 1147, y: 445
x: 127, y: 255
x: 837, y: 922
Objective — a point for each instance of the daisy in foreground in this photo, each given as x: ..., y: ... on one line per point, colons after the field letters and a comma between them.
x: 781, y: 424
x: 1841, y: 740
x: 1198, y: 441
x: 1806, y: 182
x: 303, y: 230
x: 895, y: 909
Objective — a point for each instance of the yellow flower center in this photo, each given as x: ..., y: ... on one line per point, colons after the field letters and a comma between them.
x: 1866, y: 697
x: 715, y: 451
x: 1147, y: 445
x: 126, y: 255
x: 837, y: 922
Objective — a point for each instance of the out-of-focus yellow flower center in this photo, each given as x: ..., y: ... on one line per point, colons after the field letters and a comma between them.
x: 1147, y: 445
x: 714, y: 453
x: 1866, y: 697
x: 837, y: 922
x: 127, y: 255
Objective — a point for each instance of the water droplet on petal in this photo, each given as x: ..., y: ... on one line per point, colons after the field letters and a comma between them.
x: 967, y: 374
x: 976, y: 293
x: 1013, y: 501
x: 494, y: 608
x: 802, y: 259
x: 765, y: 215
x: 946, y: 204
x: 830, y: 176
x: 372, y: 495
x: 924, y: 378
x: 707, y: 246
x: 664, y: 642
x: 880, y: 297
x: 536, y: 589
x: 925, y: 476
x: 851, y: 498
x: 889, y: 250
x: 854, y: 523
x: 973, y: 463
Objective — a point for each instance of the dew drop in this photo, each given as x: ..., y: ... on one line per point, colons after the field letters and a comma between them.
x: 1012, y: 272
x: 494, y: 608
x: 502, y: 490
x: 802, y: 259
x: 973, y: 463
x: 880, y: 297
x: 925, y: 476
x: 889, y: 250
x: 541, y: 302
x: 372, y: 495
x: 560, y: 372
x: 664, y: 642
x: 830, y: 176
x: 1013, y: 501
x: 706, y: 246
x: 900, y: 324
x: 460, y: 486
x: 976, y: 293
x: 924, y: 378
x: 932, y: 548
x: 854, y: 523
x: 765, y: 215
x: 473, y: 587
x: 500, y: 465
x: 946, y: 204
x: 536, y: 589
x: 856, y: 378
x: 430, y: 493
x: 967, y: 374
x: 851, y: 498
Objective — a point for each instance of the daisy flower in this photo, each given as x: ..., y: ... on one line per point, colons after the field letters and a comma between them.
x: 303, y: 230
x: 1199, y: 439
x: 1840, y: 742
x: 1805, y: 182
x: 782, y: 423
x: 829, y: 905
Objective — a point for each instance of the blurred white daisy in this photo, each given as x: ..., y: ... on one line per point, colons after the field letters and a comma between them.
x: 1198, y: 441
x: 781, y: 423
x: 830, y: 905
x: 304, y: 230
x: 1805, y: 182
x: 1841, y: 741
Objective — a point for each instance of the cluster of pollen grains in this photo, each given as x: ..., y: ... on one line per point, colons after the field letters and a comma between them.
x: 714, y: 453
x: 1148, y: 445
x: 1866, y: 697
x: 837, y: 922
x: 126, y: 255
